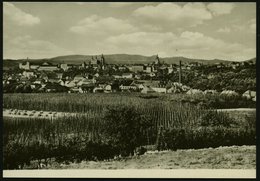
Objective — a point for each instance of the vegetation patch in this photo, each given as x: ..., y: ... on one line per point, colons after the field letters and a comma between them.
x: 119, y: 131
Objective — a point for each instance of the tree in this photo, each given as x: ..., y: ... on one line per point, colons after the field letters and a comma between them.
x: 125, y: 128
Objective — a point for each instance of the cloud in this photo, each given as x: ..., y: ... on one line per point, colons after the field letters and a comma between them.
x: 119, y: 4
x: 98, y: 25
x: 80, y: 3
x: 220, y: 8
x: 252, y: 25
x: 246, y: 27
x: 224, y: 30
x: 109, y: 4
x: 191, y: 14
x: 142, y: 39
x: 188, y: 44
x: 26, y: 46
x: 191, y: 35
x: 18, y: 16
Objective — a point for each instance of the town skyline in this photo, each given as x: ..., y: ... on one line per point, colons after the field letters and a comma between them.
x: 224, y: 31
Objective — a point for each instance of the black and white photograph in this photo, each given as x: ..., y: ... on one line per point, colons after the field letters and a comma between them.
x: 129, y: 89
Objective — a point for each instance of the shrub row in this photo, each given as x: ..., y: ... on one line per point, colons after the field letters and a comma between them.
x: 204, y: 137
x: 72, y: 149
x: 219, y: 101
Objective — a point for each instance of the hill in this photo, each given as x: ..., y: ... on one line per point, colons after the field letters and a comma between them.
x: 251, y: 60
x: 113, y: 59
x: 130, y: 59
x: 7, y: 64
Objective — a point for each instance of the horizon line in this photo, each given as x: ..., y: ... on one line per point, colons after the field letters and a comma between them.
x: 130, y: 55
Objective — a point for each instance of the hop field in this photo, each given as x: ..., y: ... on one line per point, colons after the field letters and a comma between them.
x: 63, y: 102
x: 174, y: 125
x: 162, y: 111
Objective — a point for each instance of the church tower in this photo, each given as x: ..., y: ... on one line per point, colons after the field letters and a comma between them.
x: 157, y: 60
x: 103, y: 60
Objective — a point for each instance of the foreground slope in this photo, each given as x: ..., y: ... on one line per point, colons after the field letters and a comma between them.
x: 234, y: 157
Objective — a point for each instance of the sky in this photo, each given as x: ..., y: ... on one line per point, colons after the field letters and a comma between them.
x: 193, y: 30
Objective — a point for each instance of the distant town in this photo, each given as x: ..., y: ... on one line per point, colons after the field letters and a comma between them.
x: 98, y: 75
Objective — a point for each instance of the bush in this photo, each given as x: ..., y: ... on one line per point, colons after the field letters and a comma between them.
x: 175, y: 139
x: 214, y: 118
x: 204, y: 137
x: 15, y: 155
x: 149, y: 96
x: 250, y: 121
x: 125, y: 128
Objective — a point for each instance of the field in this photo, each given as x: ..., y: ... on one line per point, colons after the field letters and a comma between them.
x: 63, y: 102
x: 78, y: 135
